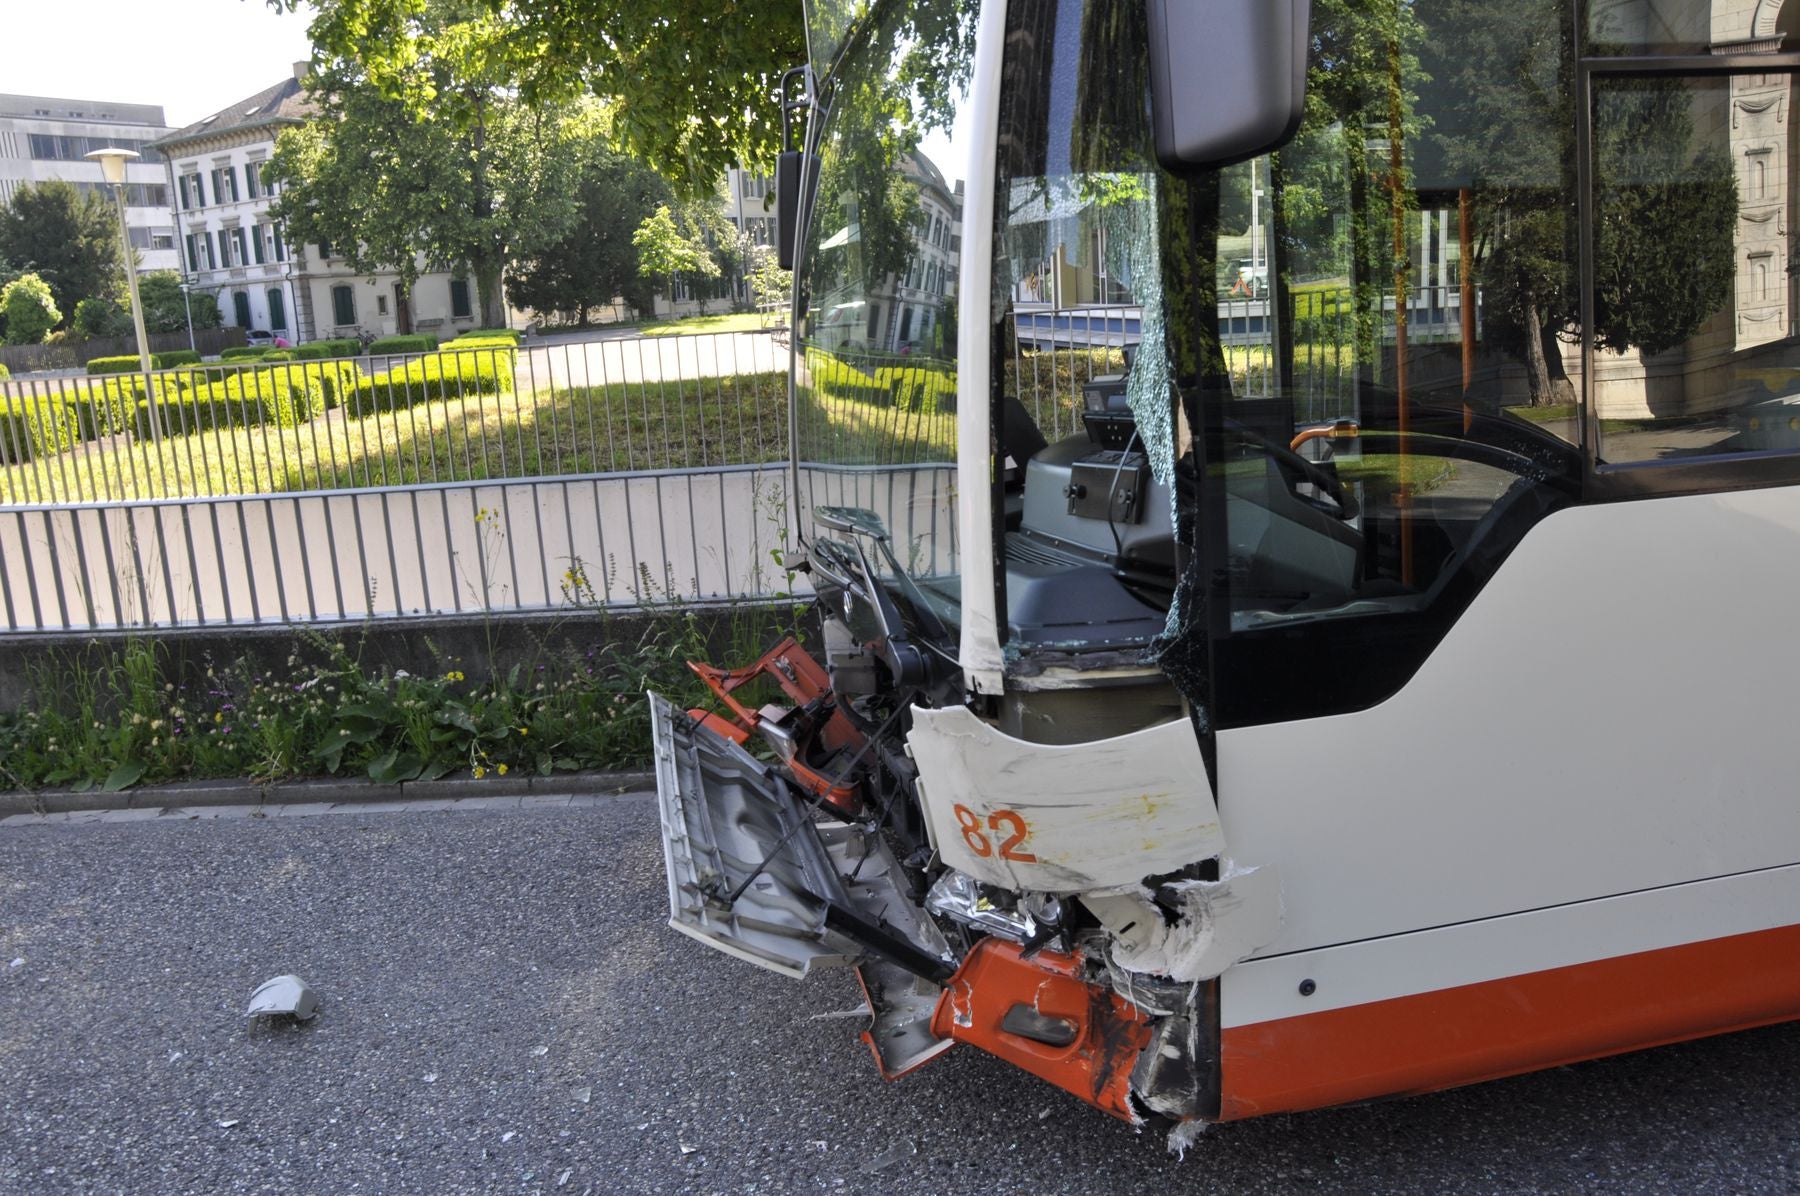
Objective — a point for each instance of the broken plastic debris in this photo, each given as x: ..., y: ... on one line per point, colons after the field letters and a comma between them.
x: 227, y: 1124
x: 686, y: 1149
x: 509, y: 1135
x: 18, y: 961
x: 174, y: 1055
x: 892, y: 1155
x: 564, y: 1177
x: 1184, y: 1135
x: 431, y: 1077
x: 540, y: 1051
x: 283, y: 995
x: 582, y: 1095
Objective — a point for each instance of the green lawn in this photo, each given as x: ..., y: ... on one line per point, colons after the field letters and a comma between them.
x: 670, y: 425
x: 743, y: 321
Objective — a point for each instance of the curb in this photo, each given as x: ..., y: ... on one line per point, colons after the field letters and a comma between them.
x: 330, y: 791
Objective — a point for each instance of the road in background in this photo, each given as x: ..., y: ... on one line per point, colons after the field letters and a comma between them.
x: 504, y: 1010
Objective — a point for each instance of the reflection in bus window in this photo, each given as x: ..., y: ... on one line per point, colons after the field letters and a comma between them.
x: 1695, y: 353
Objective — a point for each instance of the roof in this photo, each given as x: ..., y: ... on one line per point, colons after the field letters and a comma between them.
x: 283, y: 103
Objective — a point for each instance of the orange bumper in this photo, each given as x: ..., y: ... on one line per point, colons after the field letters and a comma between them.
x: 1040, y: 1015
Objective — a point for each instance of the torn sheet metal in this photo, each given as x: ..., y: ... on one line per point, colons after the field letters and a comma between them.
x: 1220, y: 923
x: 1004, y: 1003
x: 1063, y: 818
x: 753, y: 874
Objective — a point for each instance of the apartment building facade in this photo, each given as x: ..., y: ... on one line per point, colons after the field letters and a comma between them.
x: 44, y: 138
x: 234, y: 249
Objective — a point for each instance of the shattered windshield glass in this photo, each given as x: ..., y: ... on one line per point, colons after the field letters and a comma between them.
x: 1087, y: 426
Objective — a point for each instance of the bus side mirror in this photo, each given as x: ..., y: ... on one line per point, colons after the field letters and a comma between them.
x: 794, y: 170
x: 1227, y: 78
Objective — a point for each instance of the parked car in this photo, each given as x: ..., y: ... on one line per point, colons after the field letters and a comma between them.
x: 259, y: 338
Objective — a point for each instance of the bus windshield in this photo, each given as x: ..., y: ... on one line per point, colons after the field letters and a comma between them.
x: 875, y: 393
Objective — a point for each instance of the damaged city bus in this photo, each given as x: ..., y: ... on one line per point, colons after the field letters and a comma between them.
x: 1237, y: 697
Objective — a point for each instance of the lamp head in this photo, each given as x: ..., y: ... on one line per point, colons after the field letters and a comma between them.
x: 112, y: 162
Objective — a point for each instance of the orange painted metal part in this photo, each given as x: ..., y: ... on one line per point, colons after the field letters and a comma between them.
x: 1110, y: 1031
x: 1343, y: 429
x: 802, y: 679
x: 1497, y: 1028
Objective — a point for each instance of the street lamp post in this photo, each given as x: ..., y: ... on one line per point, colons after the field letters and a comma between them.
x: 112, y: 164
x: 187, y: 310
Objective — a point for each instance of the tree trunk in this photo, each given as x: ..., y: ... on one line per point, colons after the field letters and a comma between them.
x: 1536, y: 367
x: 487, y: 291
x: 1562, y: 390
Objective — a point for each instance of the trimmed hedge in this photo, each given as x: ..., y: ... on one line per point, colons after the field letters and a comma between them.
x: 4, y: 372
x: 34, y: 427
x: 175, y: 357
x: 511, y: 334
x: 343, y: 347
x: 102, y: 408
x: 402, y: 344
x: 450, y: 373
x: 279, y: 396
x: 115, y: 365
x: 246, y: 353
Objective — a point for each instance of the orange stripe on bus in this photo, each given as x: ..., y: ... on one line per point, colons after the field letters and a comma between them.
x: 1497, y: 1028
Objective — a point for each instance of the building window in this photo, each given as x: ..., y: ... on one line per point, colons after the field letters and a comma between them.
x: 193, y: 254
x: 47, y: 147
x: 381, y: 305
x: 277, y: 311
x: 257, y: 246
x: 343, y: 305
x: 252, y: 180
x: 240, y: 304
x: 459, y: 299
x: 280, y: 249
x: 162, y: 240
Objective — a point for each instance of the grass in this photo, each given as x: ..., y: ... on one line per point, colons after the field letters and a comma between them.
x: 743, y: 321
x: 117, y: 717
x: 668, y: 425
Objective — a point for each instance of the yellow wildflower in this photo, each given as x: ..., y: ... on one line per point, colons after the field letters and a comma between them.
x: 480, y: 772
x: 501, y: 770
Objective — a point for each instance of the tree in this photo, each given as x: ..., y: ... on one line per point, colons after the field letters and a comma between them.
x: 666, y: 249
x: 162, y: 299
x: 100, y: 317
x: 692, y: 81
x: 30, y: 309
x: 1503, y: 82
x: 595, y: 262
x: 384, y: 183
x: 69, y: 240
x: 769, y: 283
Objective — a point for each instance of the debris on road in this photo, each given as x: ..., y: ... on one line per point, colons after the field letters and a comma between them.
x: 582, y: 1095
x: 284, y: 995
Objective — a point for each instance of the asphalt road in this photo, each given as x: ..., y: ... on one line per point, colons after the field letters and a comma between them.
x: 505, y: 1011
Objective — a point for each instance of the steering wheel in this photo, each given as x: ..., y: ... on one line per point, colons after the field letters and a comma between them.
x: 1343, y: 506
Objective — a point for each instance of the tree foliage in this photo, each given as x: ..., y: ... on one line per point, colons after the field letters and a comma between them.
x: 100, y: 317
x: 667, y: 247
x: 1501, y: 86
x: 68, y: 239
x: 691, y: 81
x: 30, y: 310
x: 484, y: 177
x: 160, y: 294
x: 596, y: 261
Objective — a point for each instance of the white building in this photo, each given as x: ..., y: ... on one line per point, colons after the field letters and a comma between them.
x: 231, y: 246
x: 43, y: 139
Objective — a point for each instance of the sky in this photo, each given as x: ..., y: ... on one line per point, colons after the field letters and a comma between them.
x: 193, y: 57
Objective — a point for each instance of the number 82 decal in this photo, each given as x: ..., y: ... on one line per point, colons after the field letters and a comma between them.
x: 1000, y: 822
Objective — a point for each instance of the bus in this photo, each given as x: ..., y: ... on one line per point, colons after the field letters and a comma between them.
x: 1224, y: 705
